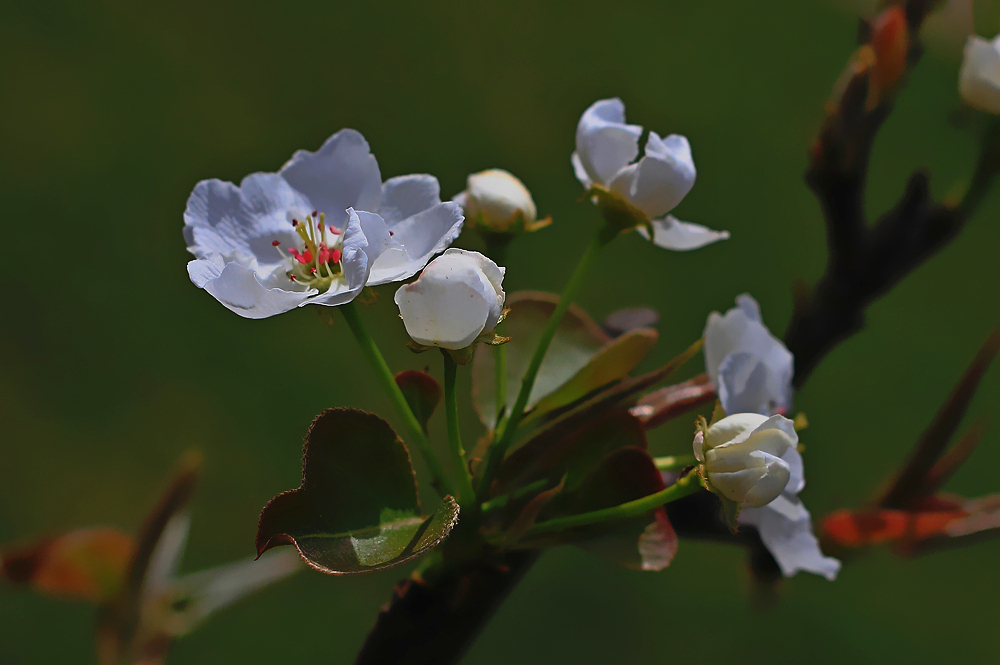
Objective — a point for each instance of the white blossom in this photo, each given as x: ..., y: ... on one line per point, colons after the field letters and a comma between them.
x: 605, y: 158
x: 979, y: 76
x: 742, y: 457
x: 498, y: 201
x: 784, y: 524
x: 456, y: 298
x: 751, y: 368
x: 317, y: 231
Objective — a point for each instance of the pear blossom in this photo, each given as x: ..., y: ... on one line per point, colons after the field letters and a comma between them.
x: 456, y: 298
x: 316, y: 232
x: 498, y: 201
x: 979, y: 76
x: 742, y: 457
x: 650, y: 187
x: 750, y: 367
x: 768, y: 447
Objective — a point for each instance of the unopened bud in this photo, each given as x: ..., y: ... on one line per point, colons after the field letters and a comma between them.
x: 498, y: 202
x: 741, y: 457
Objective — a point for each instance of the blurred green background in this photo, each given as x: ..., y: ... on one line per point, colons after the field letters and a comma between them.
x: 112, y: 364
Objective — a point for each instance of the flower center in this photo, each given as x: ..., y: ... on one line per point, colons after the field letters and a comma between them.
x: 317, y: 264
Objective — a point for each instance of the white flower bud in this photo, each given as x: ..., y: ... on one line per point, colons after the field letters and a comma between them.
x: 455, y: 299
x: 741, y: 457
x: 979, y: 76
x: 500, y: 198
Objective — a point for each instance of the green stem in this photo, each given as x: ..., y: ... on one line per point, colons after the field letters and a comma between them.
x: 689, y: 484
x: 500, y: 381
x: 504, y: 499
x: 505, y: 436
x: 465, y: 492
x: 674, y: 462
x: 388, y: 381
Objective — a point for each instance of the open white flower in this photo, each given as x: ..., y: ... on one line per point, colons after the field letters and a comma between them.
x: 783, y: 523
x: 497, y: 201
x: 652, y: 186
x: 317, y: 231
x: 457, y: 298
x: 979, y: 76
x: 751, y: 368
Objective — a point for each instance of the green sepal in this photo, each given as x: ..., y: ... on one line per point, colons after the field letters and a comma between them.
x: 718, y: 413
x: 618, y: 212
x: 730, y: 508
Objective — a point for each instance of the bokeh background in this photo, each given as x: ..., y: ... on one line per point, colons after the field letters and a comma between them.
x: 112, y: 364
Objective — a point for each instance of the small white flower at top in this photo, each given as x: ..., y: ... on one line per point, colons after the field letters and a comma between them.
x: 457, y: 300
x: 636, y: 193
x: 979, y: 76
x: 316, y: 232
x: 497, y: 202
x: 751, y: 369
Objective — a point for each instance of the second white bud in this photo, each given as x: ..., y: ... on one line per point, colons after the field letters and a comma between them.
x: 741, y: 457
x: 497, y: 201
x: 456, y: 298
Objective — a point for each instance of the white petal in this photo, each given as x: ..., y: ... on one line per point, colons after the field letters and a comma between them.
x: 754, y: 483
x: 740, y: 331
x: 454, y: 300
x: 449, y: 314
x: 420, y: 237
x: 239, y: 289
x: 604, y: 143
x: 225, y: 219
x: 749, y: 306
x: 661, y: 179
x: 785, y: 527
x: 491, y: 284
x: 408, y: 195
x: 342, y: 174
x: 742, y: 384
x: 733, y: 426
x: 979, y: 76
x: 797, y: 480
x: 672, y: 233
x: 579, y: 171
x: 366, y: 238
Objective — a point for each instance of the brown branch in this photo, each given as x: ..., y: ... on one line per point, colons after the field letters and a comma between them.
x: 865, y: 262
x: 436, y: 619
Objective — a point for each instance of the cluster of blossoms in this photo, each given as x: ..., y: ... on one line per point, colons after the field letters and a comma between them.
x: 325, y: 226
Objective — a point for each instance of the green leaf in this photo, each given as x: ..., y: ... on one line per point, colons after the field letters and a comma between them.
x: 647, y: 542
x: 357, y: 508
x: 598, y: 405
x: 577, y: 340
x: 572, y: 455
x: 611, y: 363
x: 527, y: 516
x: 421, y: 392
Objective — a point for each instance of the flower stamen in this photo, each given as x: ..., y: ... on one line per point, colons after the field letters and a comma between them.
x: 317, y: 264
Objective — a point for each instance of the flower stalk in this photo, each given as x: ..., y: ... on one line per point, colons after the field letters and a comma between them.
x: 506, y: 429
x: 685, y: 486
x: 388, y: 381
x: 465, y: 492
